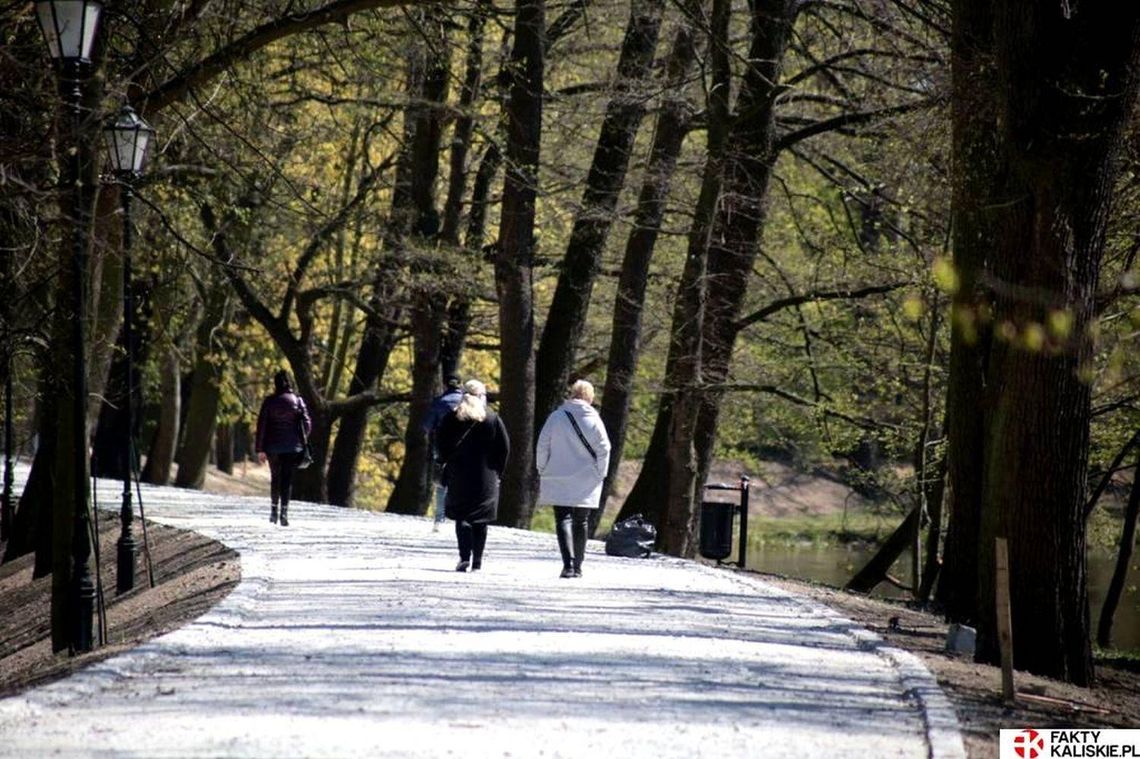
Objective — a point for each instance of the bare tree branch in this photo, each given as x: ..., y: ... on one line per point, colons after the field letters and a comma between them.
x: 175, y: 89
x: 815, y: 296
x: 863, y: 422
x: 849, y: 119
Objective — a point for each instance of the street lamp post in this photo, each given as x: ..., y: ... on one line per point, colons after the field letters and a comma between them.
x: 127, y: 137
x: 69, y: 28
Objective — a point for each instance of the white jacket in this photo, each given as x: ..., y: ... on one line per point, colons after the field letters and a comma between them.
x: 569, y: 475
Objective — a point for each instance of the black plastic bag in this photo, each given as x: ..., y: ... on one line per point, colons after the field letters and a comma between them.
x: 633, y: 537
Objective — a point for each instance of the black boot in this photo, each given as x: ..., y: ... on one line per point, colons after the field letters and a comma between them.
x: 580, y: 530
x: 273, y: 514
x: 564, y: 531
x: 284, y: 515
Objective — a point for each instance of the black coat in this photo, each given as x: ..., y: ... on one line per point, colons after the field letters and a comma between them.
x: 475, y: 454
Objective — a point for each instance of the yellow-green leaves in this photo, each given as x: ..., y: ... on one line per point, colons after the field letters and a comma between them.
x: 1060, y: 323
x: 946, y: 276
x: 913, y: 307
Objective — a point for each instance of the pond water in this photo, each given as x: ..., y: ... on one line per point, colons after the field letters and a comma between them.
x: 834, y: 565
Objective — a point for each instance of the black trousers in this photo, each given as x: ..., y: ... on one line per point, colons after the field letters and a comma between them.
x: 281, y: 468
x: 472, y: 537
x: 571, y: 525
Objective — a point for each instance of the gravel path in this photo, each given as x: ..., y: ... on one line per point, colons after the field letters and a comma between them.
x: 350, y: 633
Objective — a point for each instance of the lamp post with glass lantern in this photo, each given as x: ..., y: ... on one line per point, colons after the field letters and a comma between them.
x: 127, y: 137
x: 69, y: 28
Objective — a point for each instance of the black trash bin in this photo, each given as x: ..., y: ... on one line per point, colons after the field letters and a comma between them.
x: 716, y: 529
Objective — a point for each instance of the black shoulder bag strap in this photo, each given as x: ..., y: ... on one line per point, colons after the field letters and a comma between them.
x: 455, y: 450
x: 577, y: 429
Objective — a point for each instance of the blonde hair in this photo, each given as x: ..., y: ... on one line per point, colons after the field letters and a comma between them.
x: 474, y: 404
x: 582, y: 391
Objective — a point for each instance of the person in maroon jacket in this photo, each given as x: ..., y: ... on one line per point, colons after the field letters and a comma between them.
x: 283, y: 425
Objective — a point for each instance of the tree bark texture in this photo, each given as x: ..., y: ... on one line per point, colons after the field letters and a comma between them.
x: 160, y: 459
x: 875, y: 570
x: 592, y: 223
x: 459, y: 309
x: 224, y: 448
x: 625, y: 340
x: 1067, y: 84
x: 731, y: 239
x: 650, y: 493
x: 411, y: 494
x: 111, y: 455
x: 464, y: 127
x: 973, y: 171
x: 106, y: 294
x: 371, y: 362
x: 514, y: 264
x: 379, y: 336
x: 458, y: 317
x: 739, y: 220
x: 205, y: 392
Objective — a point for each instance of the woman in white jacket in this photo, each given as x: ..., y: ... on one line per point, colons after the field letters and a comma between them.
x: 572, y: 458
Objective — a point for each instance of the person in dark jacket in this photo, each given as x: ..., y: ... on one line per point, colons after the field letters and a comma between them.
x: 473, y: 448
x: 440, y: 407
x: 283, y: 425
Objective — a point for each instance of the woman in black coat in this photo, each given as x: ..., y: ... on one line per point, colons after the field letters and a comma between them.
x: 472, y: 445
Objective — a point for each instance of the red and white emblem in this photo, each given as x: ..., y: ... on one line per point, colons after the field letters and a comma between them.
x: 1028, y: 744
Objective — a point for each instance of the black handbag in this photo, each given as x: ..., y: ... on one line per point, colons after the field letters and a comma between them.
x: 633, y: 537
x: 306, y: 450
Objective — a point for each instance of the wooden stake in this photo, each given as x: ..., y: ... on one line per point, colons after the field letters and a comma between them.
x: 1004, y: 622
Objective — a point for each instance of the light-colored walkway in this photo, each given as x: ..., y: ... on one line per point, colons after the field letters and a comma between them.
x: 352, y: 635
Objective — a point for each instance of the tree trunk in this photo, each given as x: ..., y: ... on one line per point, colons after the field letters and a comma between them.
x: 458, y: 317
x: 379, y: 333
x: 625, y: 340
x: 160, y: 459
x: 106, y: 293
x: 343, y: 312
x: 876, y: 568
x: 514, y: 276
x: 651, y: 492
x: 459, y: 310
x: 224, y: 448
x: 1123, y: 561
x: 110, y: 457
x: 411, y: 495
x: 595, y: 216
x: 974, y: 129
x: 205, y: 392
x: 465, y: 123
x: 731, y: 241
x: 740, y: 214
x: 1067, y: 85
x: 935, y: 497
